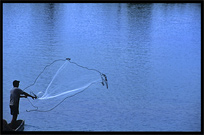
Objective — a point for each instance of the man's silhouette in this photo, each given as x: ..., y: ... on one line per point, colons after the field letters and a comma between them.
x: 15, y: 95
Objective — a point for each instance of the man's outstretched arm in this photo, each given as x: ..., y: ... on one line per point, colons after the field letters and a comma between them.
x: 27, y: 95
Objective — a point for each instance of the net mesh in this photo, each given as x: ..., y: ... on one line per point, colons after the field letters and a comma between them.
x: 59, y: 80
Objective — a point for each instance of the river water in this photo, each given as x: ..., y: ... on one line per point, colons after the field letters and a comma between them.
x: 151, y: 54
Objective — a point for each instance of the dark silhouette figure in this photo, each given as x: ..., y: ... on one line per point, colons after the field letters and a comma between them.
x: 15, y: 95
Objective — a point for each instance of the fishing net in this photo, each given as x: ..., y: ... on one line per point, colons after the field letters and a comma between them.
x: 59, y: 80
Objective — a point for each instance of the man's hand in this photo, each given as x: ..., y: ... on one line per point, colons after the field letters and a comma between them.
x: 34, y: 97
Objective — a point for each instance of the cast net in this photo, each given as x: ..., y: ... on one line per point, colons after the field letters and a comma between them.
x: 60, y: 80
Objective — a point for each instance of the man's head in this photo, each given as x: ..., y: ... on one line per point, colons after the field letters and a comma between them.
x: 16, y: 83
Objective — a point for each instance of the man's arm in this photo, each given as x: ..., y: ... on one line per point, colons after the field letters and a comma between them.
x: 27, y: 95
x: 24, y: 96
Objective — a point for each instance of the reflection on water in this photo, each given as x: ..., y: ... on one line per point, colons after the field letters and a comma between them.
x: 150, y: 53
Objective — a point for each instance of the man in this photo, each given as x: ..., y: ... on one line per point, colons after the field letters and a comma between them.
x: 15, y: 95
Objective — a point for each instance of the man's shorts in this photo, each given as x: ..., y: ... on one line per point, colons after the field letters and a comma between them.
x: 14, y: 109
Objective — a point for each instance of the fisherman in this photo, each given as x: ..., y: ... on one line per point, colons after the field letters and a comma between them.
x: 15, y: 95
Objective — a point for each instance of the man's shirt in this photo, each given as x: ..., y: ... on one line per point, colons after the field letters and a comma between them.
x: 15, y: 96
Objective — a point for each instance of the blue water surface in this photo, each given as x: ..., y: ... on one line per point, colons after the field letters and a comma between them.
x: 151, y: 54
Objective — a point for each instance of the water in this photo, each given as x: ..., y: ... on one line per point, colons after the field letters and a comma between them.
x: 151, y: 54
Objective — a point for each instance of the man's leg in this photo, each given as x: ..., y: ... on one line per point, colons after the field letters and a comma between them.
x: 13, y: 121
